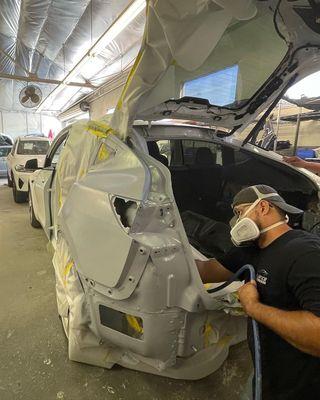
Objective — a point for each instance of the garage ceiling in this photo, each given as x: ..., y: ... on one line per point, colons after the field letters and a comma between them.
x: 47, y: 42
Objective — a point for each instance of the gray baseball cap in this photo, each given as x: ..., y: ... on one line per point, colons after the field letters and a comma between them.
x: 250, y: 194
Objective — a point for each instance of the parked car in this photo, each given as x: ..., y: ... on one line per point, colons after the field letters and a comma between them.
x: 6, y: 139
x: 128, y: 207
x: 25, y: 148
x: 4, y: 151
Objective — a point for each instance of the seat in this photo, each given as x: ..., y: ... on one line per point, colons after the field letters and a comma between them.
x: 207, y: 181
x: 204, y: 157
x: 210, y: 237
x: 155, y: 153
x: 182, y: 186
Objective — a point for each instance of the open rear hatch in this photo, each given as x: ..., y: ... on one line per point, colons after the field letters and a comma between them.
x: 218, y: 61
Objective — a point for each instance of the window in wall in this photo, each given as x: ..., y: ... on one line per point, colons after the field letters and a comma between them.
x: 219, y: 87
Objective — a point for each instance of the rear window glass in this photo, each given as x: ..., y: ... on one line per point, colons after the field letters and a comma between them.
x: 4, y: 151
x: 33, y: 147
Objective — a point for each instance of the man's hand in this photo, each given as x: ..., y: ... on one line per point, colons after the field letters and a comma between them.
x: 249, y: 297
x: 295, y: 161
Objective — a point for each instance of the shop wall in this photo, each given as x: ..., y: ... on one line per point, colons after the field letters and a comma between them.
x: 23, y: 123
x: 100, y: 105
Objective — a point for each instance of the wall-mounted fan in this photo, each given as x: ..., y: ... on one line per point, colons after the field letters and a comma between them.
x: 30, y: 96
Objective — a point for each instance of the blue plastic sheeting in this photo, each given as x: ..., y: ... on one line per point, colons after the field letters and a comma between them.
x: 306, y: 153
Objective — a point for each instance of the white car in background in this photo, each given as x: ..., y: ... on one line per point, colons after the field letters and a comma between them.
x: 4, y: 151
x: 24, y: 149
x: 7, y: 139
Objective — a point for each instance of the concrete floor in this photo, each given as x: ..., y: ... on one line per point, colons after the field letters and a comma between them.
x: 33, y: 349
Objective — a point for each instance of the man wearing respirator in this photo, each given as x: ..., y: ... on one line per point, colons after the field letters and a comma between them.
x: 285, y: 297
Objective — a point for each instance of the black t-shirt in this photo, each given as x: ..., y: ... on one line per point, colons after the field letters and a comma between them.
x: 288, y: 277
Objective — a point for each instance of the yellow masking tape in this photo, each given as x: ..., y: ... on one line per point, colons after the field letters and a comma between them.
x: 103, y: 153
x: 207, y: 333
x: 99, y: 129
x: 66, y: 271
x: 136, y: 63
x: 129, y: 79
x: 60, y: 198
x: 82, y: 173
x: 133, y: 322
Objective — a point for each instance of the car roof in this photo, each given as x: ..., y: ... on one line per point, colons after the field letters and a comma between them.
x: 33, y: 137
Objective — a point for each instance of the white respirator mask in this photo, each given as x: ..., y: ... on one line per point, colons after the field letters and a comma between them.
x: 245, y: 231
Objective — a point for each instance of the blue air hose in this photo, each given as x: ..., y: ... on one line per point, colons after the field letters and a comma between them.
x: 255, y: 330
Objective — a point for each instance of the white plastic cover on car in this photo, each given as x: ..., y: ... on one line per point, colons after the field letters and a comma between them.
x: 173, y: 32
x: 82, y: 144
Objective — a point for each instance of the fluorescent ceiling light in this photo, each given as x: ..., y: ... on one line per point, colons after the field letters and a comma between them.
x: 128, y: 15
x: 118, y: 26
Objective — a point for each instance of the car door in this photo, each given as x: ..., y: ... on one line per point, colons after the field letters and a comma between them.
x: 43, y: 182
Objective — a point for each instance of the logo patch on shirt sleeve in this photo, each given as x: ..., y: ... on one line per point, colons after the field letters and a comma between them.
x: 262, y: 276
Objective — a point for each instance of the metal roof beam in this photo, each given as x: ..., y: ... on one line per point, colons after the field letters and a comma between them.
x: 122, y: 21
x: 36, y: 79
x: 14, y: 61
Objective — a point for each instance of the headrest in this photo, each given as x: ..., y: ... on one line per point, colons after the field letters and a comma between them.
x: 153, y: 149
x: 155, y: 153
x: 204, y: 156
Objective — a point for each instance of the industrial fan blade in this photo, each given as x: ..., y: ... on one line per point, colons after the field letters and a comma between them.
x: 35, y: 98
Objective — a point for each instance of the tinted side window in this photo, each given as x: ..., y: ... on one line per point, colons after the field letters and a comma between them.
x: 165, y: 149
x: 4, y: 151
x: 194, y: 150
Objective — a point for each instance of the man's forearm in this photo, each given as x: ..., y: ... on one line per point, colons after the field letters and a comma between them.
x: 312, y: 166
x: 212, y: 271
x: 299, y: 328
